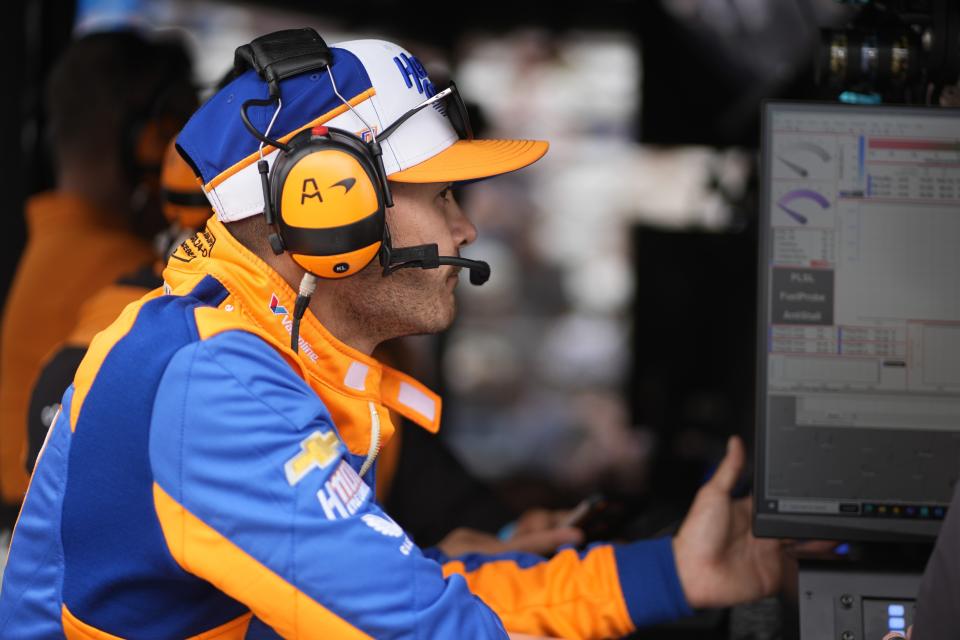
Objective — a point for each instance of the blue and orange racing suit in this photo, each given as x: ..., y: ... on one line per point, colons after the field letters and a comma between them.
x: 203, y: 480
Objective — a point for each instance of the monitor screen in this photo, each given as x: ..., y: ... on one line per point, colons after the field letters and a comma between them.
x: 859, y: 344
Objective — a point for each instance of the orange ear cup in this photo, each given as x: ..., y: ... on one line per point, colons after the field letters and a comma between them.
x: 329, y: 190
x: 184, y: 202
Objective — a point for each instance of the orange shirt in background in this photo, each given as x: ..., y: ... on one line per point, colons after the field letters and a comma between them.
x: 73, y: 250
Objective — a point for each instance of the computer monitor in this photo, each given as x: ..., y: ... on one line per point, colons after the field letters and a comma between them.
x: 858, y: 388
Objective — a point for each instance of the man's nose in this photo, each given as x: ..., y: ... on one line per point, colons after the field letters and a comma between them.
x: 464, y: 231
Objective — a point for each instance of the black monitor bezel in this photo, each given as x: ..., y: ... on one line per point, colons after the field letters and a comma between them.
x: 832, y: 527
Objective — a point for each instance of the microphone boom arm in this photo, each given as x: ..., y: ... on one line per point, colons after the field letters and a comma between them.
x: 426, y: 256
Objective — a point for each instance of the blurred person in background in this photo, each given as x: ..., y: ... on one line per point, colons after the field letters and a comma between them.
x: 113, y: 101
x: 229, y: 448
x: 186, y: 210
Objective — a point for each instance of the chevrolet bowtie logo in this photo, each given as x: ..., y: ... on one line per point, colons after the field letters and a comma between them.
x: 319, y: 450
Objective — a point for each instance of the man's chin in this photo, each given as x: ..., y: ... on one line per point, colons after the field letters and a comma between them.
x: 445, y: 317
x: 439, y: 321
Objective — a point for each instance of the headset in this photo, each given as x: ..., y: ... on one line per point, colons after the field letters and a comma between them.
x: 155, y: 118
x: 185, y: 206
x: 327, y: 193
x: 327, y: 203
x: 126, y: 94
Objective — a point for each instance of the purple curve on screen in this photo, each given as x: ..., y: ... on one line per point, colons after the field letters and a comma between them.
x: 801, y: 194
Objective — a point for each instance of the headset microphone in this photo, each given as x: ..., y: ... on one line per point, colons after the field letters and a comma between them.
x: 479, y: 270
x: 426, y: 256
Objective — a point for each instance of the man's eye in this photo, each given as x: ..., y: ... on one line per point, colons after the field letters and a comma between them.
x: 445, y: 194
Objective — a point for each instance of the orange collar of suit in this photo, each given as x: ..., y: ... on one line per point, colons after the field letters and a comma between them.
x: 262, y: 302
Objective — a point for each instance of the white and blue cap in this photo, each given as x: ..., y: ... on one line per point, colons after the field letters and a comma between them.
x: 381, y: 81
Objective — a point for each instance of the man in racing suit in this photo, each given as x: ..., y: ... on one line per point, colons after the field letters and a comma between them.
x: 204, y: 479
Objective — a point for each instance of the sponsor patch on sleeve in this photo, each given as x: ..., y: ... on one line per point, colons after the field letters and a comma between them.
x: 344, y: 493
x: 317, y: 451
x: 385, y: 525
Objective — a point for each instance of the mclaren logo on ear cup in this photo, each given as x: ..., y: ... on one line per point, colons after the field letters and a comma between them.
x: 325, y: 189
x: 310, y: 189
x: 346, y: 183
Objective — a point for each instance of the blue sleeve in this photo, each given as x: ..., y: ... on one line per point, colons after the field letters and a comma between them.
x: 649, y: 580
x: 257, y: 495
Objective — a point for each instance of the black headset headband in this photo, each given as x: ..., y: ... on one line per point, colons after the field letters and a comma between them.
x: 283, y: 54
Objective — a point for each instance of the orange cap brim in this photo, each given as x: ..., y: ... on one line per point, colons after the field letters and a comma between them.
x: 474, y: 159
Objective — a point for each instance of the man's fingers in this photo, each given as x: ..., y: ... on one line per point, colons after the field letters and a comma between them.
x: 535, y: 520
x: 545, y: 542
x: 725, y: 478
x: 465, y: 540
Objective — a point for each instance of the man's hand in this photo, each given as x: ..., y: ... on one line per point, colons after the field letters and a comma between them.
x: 719, y: 561
x: 538, y: 531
